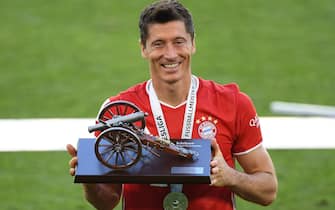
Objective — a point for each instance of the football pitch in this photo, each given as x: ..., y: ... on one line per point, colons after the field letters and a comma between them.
x: 62, y: 59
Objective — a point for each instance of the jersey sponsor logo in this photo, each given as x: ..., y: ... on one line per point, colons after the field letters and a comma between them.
x: 207, y: 127
x: 254, y: 122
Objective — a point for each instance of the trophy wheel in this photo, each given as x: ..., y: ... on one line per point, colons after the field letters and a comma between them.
x: 118, y: 148
x: 120, y: 108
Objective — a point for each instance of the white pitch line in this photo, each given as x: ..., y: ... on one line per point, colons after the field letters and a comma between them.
x: 42, y: 134
x: 301, y: 109
x: 54, y: 134
x: 298, y: 132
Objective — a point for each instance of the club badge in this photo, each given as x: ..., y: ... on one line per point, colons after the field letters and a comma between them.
x: 207, y: 127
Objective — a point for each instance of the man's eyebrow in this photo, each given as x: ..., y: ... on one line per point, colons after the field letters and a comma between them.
x: 180, y: 37
x: 158, y: 40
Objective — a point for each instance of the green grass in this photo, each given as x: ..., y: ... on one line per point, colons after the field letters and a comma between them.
x: 38, y: 180
x: 63, y: 58
x: 305, y: 180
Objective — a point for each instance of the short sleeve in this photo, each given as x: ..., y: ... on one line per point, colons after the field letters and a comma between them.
x: 248, y: 131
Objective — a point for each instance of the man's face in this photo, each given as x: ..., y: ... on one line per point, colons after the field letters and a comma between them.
x: 169, y: 49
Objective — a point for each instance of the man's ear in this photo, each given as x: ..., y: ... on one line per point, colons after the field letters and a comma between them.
x: 143, y: 50
x: 193, y: 46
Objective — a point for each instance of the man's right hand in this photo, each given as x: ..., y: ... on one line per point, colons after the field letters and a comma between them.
x: 74, y: 160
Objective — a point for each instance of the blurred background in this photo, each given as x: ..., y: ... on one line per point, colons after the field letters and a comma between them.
x: 62, y: 59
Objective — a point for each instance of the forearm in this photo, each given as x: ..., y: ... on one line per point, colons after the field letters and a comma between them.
x: 103, y: 196
x: 259, y: 187
x: 258, y: 182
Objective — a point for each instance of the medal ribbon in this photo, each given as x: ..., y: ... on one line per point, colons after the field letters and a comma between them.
x: 189, y: 110
x: 188, y: 116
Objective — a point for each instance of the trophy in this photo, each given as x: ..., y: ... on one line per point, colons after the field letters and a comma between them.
x: 123, y: 152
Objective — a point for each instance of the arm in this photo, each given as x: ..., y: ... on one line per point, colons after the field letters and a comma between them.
x: 258, y: 182
x: 101, y: 196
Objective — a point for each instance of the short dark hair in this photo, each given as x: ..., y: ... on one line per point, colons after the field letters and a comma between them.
x: 164, y: 11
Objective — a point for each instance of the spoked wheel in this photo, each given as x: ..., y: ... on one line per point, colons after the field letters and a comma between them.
x: 118, y: 148
x: 120, y: 108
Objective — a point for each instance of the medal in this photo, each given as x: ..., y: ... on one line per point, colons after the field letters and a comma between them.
x: 175, y: 201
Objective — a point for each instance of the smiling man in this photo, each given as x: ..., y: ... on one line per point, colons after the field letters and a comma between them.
x: 181, y: 105
x: 168, y: 46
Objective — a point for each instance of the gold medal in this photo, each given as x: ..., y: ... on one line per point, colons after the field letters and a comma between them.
x: 175, y: 201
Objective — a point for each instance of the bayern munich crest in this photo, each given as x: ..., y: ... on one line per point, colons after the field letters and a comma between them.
x: 207, y: 127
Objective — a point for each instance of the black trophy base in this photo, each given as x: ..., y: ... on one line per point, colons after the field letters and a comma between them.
x: 166, y: 169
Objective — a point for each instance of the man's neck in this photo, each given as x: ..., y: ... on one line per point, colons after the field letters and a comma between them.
x: 173, y: 94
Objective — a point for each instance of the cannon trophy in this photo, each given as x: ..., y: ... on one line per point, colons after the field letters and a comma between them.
x: 121, y: 137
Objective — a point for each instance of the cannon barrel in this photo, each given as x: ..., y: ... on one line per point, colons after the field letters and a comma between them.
x: 117, y: 120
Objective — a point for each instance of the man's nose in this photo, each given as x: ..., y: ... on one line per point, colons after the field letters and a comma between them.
x: 170, y: 52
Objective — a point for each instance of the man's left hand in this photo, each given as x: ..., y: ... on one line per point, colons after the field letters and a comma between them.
x: 220, y: 170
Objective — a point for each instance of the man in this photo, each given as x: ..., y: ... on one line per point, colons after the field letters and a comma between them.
x: 218, y: 112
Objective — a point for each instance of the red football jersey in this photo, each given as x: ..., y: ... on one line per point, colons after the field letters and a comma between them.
x: 222, y: 112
